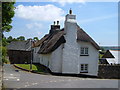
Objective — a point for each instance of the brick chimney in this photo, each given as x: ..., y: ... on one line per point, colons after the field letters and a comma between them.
x: 55, y: 27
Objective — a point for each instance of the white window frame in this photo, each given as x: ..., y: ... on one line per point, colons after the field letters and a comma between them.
x: 84, y: 68
x: 84, y: 51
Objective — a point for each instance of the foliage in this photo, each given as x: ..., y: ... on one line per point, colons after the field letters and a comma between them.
x: 14, y: 39
x: 4, y: 54
x: 4, y: 41
x: 7, y: 15
x: 21, y: 38
x: 9, y: 39
x: 35, y: 38
x: 102, y: 48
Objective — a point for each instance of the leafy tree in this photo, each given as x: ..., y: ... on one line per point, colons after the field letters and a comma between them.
x: 7, y: 15
x: 14, y: 39
x: 21, y: 38
x: 35, y: 38
x: 9, y: 39
x: 4, y: 54
x: 4, y: 41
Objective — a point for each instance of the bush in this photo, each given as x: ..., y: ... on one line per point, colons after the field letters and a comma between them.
x: 4, y: 54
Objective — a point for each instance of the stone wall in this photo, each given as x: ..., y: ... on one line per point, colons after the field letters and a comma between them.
x: 109, y: 71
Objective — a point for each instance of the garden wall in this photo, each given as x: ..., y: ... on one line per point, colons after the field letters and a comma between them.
x: 109, y: 71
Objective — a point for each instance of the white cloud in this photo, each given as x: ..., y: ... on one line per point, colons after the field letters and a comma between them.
x: 34, y: 25
x: 64, y: 2
x: 39, y: 13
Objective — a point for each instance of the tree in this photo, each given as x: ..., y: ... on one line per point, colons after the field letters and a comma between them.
x: 4, y: 54
x: 21, y: 38
x: 35, y: 38
x: 14, y: 39
x: 9, y: 39
x: 7, y: 15
x: 4, y: 41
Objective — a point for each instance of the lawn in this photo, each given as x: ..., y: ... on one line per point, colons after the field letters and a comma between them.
x: 36, y: 68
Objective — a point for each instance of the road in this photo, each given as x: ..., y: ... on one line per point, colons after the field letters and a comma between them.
x: 22, y: 79
x: 0, y: 76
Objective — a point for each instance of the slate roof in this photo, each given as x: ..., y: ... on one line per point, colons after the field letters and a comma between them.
x: 19, y: 45
x: 50, y: 42
x: 108, y: 54
x: 116, y: 55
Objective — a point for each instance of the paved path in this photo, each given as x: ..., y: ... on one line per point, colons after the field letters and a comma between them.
x: 0, y: 77
x: 21, y: 79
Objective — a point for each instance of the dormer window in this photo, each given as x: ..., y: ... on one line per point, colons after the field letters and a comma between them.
x: 84, y: 51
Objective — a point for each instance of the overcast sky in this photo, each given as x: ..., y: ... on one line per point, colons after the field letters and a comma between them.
x: 98, y: 19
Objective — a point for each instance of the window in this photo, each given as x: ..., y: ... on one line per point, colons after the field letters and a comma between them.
x: 84, y: 51
x: 84, y: 68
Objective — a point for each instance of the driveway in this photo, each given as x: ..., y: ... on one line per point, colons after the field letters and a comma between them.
x: 22, y: 79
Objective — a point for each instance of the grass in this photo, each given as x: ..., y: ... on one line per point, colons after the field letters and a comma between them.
x: 35, y: 68
x: 100, y: 55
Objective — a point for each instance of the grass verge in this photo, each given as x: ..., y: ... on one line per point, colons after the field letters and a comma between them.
x: 35, y: 68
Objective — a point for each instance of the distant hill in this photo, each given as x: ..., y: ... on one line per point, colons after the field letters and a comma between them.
x: 111, y: 47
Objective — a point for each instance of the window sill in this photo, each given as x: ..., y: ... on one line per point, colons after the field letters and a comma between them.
x: 84, y: 72
x: 84, y: 55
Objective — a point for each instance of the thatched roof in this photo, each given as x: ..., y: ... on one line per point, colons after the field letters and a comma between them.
x: 50, y: 42
x: 83, y: 36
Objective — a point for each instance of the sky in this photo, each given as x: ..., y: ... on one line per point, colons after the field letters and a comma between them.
x: 98, y: 19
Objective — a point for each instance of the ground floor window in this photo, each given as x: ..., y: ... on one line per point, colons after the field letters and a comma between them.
x: 84, y: 68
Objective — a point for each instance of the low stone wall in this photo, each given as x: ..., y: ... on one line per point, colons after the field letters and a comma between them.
x: 109, y: 71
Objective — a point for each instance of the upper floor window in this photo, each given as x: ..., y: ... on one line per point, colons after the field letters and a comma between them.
x: 84, y: 51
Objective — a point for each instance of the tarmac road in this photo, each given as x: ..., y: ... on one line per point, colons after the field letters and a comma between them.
x: 21, y: 79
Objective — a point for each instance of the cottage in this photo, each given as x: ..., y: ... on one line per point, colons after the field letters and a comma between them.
x: 69, y: 50
x: 19, y: 52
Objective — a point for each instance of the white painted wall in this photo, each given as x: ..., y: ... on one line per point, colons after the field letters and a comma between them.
x: 70, y: 62
x: 52, y: 60
x: 45, y: 59
x: 91, y: 60
x: 56, y: 60
x: 36, y: 55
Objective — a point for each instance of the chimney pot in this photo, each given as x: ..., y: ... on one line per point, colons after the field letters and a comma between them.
x: 54, y: 22
x: 57, y: 22
x: 70, y: 11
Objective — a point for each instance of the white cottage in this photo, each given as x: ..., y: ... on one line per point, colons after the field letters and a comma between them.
x: 69, y: 50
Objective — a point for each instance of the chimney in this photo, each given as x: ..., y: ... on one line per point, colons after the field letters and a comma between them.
x: 55, y: 27
x: 70, y: 27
